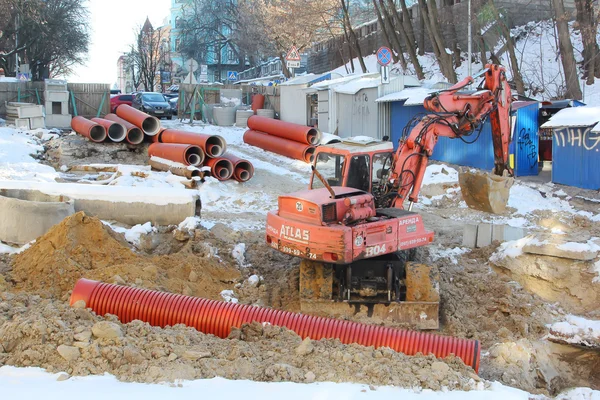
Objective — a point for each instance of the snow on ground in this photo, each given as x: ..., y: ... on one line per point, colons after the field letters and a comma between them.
x: 6, y: 249
x: 440, y: 173
x: 576, y: 330
x: 437, y: 251
x: 16, y: 161
x: 34, y: 383
x: 133, y: 234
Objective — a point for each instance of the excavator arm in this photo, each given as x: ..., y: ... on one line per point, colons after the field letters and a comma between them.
x: 454, y: 113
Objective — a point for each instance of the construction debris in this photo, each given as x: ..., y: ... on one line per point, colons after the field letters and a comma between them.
x: 25, y: 115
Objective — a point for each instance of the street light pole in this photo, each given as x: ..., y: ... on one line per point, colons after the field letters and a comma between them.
x: 469, y: 48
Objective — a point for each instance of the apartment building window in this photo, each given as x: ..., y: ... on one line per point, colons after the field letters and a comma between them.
x: 231, y: 58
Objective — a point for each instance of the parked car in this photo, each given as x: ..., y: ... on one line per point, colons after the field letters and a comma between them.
x: 153, y: 103
x: 174, y: 101
x: 116, y: 101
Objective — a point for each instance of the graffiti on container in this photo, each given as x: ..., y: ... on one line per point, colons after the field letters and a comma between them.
x: 527, y: 145
x: 580, y: 137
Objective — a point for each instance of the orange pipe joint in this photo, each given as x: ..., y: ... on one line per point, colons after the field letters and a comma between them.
x: 258, y: 102
x: 284, y: 147
x: 220, y: 168
x: 286, y: 130
x: 218, y: 318
x: 213, y: 145
x: 134, y: 134
x: 89, y: 129
x: 115, y: 131
x: 243, y: 170
x: 182, y: 153
x: 149, y: 124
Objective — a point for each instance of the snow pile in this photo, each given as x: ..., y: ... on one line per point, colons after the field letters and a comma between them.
x: 238, y: 253
x: 526, y: 199
x: 574, y: 116
x: 513, y: 248
x: 133, y: 234
x: 228, y: 296
x: 189, y: 224
x: 16, y: 161
x: 576, y: 330
x: 590, y: 246
x: 254, y: 280
x: 440, y: 173
x: 437, y: 252
x: 6, y: 249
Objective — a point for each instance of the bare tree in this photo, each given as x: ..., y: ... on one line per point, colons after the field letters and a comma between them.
x: 566, y: 51
x: 352, y: 34
x: 588, y: 25
x: 147, y: 54
x: 389, y: 33
x: 431, y: 22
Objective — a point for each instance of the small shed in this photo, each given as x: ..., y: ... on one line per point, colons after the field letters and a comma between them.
x: 356, y: 107
x: 475, y: 151
x: 576, y: 147
x: 548, y: 108
x: 298, y: 106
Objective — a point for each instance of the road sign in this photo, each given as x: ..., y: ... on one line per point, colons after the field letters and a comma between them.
x: 293, y: 54
x: 293, y: 64
x: 232, y: 75
x: 384, y: 56
x: 385, y: 74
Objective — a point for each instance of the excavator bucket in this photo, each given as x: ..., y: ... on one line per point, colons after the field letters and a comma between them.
x: 485, y: 192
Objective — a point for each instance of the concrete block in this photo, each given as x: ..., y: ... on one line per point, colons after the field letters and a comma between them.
x: 55, y: 84
x: 58, y: 121
x: 498, y: 232
x: 484, y: 235
x: 56, y: 95
x: 470, y: 236
x: 561, y: 248
x: 513, y: 233
x: 18, y: 122
x: 24, y: 110
x: 37, y: 122
x: 57, y: 107
x: 28, y: 214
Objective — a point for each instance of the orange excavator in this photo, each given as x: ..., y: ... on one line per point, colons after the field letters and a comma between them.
x: 354, y: 227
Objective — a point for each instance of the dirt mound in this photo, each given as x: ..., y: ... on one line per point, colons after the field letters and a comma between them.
x: 83, y: 247
x: 49, y: 334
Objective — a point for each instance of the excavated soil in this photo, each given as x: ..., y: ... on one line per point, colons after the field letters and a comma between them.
x: 83, y: 247
x: 49, y: 334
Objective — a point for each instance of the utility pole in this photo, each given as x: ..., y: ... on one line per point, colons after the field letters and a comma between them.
x: 17, y: 45
x: 469, y: 48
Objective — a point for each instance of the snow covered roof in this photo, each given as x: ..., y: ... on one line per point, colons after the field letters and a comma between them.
x: 413, y: 96
x: 310, y: 78
x: 338, y: 81
x: 357, y: 85
x: 575, y: 116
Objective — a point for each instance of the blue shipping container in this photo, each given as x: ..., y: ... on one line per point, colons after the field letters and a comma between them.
x: 525, y: 143
x: 576, y: 157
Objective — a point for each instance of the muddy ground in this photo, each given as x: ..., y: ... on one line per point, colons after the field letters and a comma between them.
x: 478, y: 301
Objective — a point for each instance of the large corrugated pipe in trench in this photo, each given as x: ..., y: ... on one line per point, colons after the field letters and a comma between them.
x: 217, y: 318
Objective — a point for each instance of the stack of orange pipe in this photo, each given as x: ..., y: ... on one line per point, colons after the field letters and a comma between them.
x: 173, y: 144
x: 284, y: 138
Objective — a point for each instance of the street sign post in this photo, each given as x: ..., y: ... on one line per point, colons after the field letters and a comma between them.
x: 293, y: 64
x: 292, y: 59
x: 385, y: 74
x: 232, y: 75
x: 384, y: 56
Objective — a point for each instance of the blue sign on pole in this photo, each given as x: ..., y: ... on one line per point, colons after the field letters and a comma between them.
x: 384, y: 56
x: 232, y: 75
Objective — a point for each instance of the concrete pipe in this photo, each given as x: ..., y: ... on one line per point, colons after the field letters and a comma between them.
x: 287, y: 130
x: 182, y: 153
x: 224, y: 116
x: 27, y: 214
x: 220, y: 168
x: 213, y: 145
x: 266, y: 112
x: 284, y: 147
x: 134, y: 134
x: 91, y: 130
x: 241, y: 118
x: 115, y: 131
x: 258, y: 102
x: 243, y: 170
x: 149, y: 124
x: 161, y: 164
x: 218, y: 318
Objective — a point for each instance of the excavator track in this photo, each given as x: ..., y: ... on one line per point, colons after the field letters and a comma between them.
x: 322, y: 294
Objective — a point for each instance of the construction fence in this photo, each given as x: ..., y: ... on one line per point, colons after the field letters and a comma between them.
x: 193, y: 97
x: 85, y: 99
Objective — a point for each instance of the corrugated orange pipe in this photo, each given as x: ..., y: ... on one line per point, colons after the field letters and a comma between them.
x: 243, y: 170
x: 220, y: 168
x: 285, y: 147
x: 182, y: 153
x: 134, y: 134
x: 149, y: 124
x: 287, y: 130
x: 115, y: 131
x: 258, y: 102
x: 217, y: 318
x: 213, y: 145
x: 91, y: 130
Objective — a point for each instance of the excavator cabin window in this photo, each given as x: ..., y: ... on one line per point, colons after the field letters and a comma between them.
x: 359, y: 173
x: 331, y: 167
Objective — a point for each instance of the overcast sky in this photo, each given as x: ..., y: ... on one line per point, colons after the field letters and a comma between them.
x: 112, y: 27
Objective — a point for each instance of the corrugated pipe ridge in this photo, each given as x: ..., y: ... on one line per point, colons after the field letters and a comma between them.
x: 217, y: 318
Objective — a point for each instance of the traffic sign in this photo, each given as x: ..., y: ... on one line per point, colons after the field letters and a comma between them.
x: 293, y: 54
x: 384, y: 56
x: 232, y: 75
x: 293, y: 64
x: 385, y: 74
